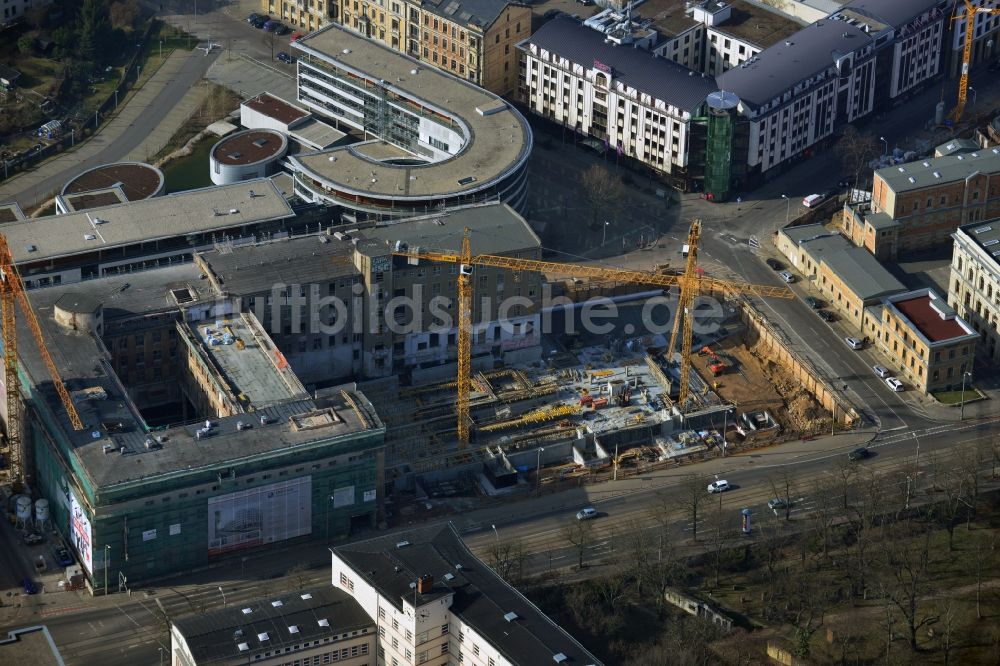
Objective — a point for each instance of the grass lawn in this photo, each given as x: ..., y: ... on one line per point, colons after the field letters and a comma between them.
x: 955, y: 397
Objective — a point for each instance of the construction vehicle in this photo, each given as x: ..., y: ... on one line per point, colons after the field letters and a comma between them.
x: 717, y: 366
x: 692, y: 282
x: 969, y: 14
x: 12, y: 293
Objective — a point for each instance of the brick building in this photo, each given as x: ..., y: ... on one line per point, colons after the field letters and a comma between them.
x: 923, y: 339
x: 920, y: 204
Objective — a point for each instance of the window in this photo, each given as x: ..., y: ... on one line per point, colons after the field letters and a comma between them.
x: 444, y: 649
x: 444, y: 629
x: 346, y: 582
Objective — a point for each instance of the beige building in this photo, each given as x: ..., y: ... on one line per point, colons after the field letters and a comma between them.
x: 472, y: 40
x: 974, y: 284
x: 848, y: 278
x: 320, y: 626
x: 924, y: 342
x: 307, y: 15
x: 919, y: 204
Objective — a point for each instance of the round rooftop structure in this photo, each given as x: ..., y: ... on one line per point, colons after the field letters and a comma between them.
x: 721, y: 100
x: 137, y: 180
x: 79, y: 312
x: 248, y: 154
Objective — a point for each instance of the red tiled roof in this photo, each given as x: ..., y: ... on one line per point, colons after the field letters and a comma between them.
x: 928, y: 321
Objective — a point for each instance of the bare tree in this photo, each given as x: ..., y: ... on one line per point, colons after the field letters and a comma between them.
x: 855, y: 150
x: 845, y: 471
x: 612, y: 589
x: 580, y: 533
x: 718, y: 535
x: 602, y: 192
x: 693, y: 494
x: 506, y: 558
x: 803, y: 601
x: 907, y: 579
x: 782, y: 488
x: 299, y: 574
x: 949, y: 620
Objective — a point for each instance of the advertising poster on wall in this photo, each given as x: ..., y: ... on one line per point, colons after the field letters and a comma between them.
x: 257, y: 516
x: 79, y: 529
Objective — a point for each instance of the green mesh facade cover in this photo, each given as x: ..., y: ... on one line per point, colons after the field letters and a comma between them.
x: 718, y: 155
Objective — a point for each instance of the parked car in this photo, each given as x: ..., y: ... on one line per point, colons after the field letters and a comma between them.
x: 272, y: 26
x: 260, y: 21
x: 282, y: 29
x: 776, y: 503
x: 30, y: 586
x: 33, y: 539
x: 253, y: 17
x: 63, y: 557
x: 826, y: 316
x: 775, y: 264
x: 880, y: 371
x: 787, y: 277
x: 587, y: 513
x: 859, y: 454
x: 719, y: 486
x: 813, y: 200
x: 854, y: 343
x: 814, y: 303
x: 894, y: 384
x: 284, y: 57
x: 296, y: 36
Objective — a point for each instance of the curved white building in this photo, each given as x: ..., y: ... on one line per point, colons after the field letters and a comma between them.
x: 434, y: 139
x: 246, y: 155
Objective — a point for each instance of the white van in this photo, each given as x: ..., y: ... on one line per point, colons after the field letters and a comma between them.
x: 813, y: 200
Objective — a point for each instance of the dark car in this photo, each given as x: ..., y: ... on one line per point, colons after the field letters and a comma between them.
x: 826, y: 316
x: 283, y: 29
x: 63, y: 557
x: 284, y: 57
x: 814, y: 303
x: 253, y: 17
x: 272, y: 26
x: 775, y: 264
x: 859, y: 454
x: 30, y: 586
x: 33, y: 539
x: 260, y: 21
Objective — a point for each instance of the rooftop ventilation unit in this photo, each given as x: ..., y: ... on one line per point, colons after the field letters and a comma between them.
x: 937, y: 174
x: 402, y: 544
x: 293, y: 629
x: 243, y: 647
x: 247, y: 611
x: 262, y: 636
x: 992, y: 241
x: 306, y: 596
x: 260, y: 143
x: 912, y: 179
x: 510, y: 617
x: 31, y: 248
x: 277, y: 603
x: 559, y: 657
x: 89, y: 237
x: 323, y: 623
x: 983, y: 230
x: 237, y: 155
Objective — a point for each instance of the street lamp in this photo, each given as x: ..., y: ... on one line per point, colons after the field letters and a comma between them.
x: 604, y: 236
x: 964, y: 375
x: 496, y: 533
x: 886, y: 151
x: 223, y: 592
x: 161, y: 654
x: 973, y: 91
x: 538, y: 471
x: 788, y: 207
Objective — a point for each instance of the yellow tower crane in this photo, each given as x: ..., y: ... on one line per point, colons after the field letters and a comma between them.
x: 12, y: 292
x: 689, y: 284
x: 969, y: 14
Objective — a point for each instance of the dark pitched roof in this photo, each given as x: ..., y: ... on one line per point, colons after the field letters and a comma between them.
x: 479, y: 597
x: 216, y: 636
x: 662, y: 78
x: 480, y: 13
x: 893, y: 13
x: 806, y: 53
x: 9, y: 74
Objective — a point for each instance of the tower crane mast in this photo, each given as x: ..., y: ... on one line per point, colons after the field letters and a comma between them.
x: 969, y: 14
x: 12, y: 294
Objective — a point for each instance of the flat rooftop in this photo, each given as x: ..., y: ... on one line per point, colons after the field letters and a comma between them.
x: 275, y: 107
x: 932, y: 316
x: 254, y: 370
x: 757, y: 25
x: 668, y: 16
x: 936, y: 171
x: 498, y: 139
x: 94, y: 199
x: 231, y: 633
x: 10, y: 212
x: 137, y: 180
x: 986, y: 235
x: 479, y: 596
x: 146, y: 221
x: 316, y: 133
x: 31, y: 646
x: 890, y: 13
x: 249, y: 147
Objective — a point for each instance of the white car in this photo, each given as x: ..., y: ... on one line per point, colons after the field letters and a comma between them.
x: 787, y: 277
x: 880, y: 371
x: 586, y: 514
x: 854, y: 343
x: 720, y: 486
x: 894, y: 384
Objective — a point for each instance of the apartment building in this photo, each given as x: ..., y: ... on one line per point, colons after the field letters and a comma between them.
x: 922, y: 339
x: 471, y: 39
x: 634, y: 102
x: 736, y: 31
x: 974, y: 284
x: 985, y: 34
x: 307, y: 15
x: 435, y: 603
x: 919, y: 204
x: 848, y: 278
